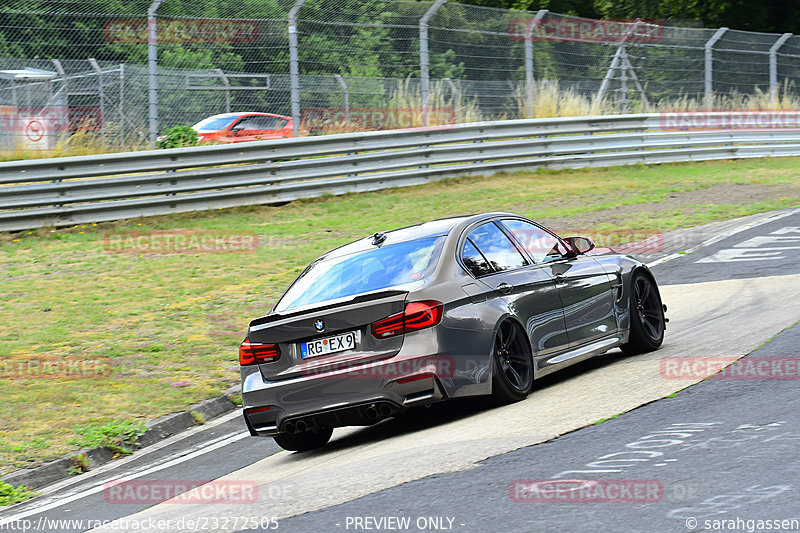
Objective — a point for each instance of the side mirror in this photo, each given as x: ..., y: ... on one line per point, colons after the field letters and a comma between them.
x: 580, y: 245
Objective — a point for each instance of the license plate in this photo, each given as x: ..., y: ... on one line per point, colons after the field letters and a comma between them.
x: 337, y: 343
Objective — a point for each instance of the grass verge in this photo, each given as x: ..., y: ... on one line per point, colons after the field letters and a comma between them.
x: 159, y: 331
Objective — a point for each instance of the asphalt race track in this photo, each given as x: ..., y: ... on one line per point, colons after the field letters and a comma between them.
x: 721, y: 450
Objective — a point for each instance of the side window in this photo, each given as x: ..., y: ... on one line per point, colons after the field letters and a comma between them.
x: 496, y: 247
x: 474, y: 261
x: 270, y: 123
x: 540, y: 244
x: 265, y: 123
x: 246, y: 124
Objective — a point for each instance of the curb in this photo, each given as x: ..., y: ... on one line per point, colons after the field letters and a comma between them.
x: 157, y: 430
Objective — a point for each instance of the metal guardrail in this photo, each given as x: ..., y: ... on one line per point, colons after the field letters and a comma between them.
x: 76, y: 190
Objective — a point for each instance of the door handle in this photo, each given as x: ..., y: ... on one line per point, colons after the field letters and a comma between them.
x: 560, y: 278
x: 505, y: 288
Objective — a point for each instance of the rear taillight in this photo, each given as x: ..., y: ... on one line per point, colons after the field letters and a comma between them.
x: 417, y: 315
x: 253, y: 353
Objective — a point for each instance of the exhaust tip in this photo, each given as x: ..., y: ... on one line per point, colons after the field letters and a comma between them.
x: 371, y: 412
x: 300, y: 426
x: 289, y: 428
x: 385, y: 410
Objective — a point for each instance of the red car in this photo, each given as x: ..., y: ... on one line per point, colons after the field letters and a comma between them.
x: 242, y: 127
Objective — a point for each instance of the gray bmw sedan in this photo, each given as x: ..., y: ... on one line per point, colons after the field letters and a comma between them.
x: 465, y: 306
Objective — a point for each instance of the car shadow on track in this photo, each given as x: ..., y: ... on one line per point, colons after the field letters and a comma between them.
x: 422, y: 418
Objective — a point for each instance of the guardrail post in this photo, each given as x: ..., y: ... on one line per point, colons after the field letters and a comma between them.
x: 709, y: 67
x: 346, y: 93
x: 773, y: 68
x: 529, y: 78
x: 152, y: 68
x: 424, y: 65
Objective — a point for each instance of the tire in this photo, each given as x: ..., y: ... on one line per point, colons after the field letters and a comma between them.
x: 647, y: 316
x: 302, y: 442
x: 512, y: 364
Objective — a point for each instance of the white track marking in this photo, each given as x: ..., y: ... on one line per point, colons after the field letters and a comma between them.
x: 725, y: 235
x: 121, y: 462
x: 230, y: 439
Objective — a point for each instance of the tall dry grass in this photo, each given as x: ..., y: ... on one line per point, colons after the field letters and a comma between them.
x: 445, y: 106
x: 552, y: 100
x: 404, y: 109
x: 81, y: 142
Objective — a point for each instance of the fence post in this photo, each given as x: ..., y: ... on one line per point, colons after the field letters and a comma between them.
x: 773, y: 68
x: 122, y: 103
x: 63, y: 75
x: 709, y: 67
x: 529, y: 78
x: 346, y: 92
x: 620, y: 61
x: 294, y: 67
x: 424, y: 66
x: 455, y: 98
x: 152, y: 67
x: 227, y: 84
x: 64, y: 109
x: 100, y: 96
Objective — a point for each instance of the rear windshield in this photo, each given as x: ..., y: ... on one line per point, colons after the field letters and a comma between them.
x: 214, y: 124
x: 371, y: 270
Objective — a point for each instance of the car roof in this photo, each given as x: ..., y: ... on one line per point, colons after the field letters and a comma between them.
x: 424, y: 230
x: 242, y: 113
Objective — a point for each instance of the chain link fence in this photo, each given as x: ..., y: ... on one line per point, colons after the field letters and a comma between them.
x: 119, y: 72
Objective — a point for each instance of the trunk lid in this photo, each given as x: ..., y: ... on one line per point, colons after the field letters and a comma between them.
x: 291, y: 330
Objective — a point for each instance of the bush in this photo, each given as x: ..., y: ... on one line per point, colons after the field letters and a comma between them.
x: 9, y: 495
x: 117, y: 437
x: 176, y: 137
